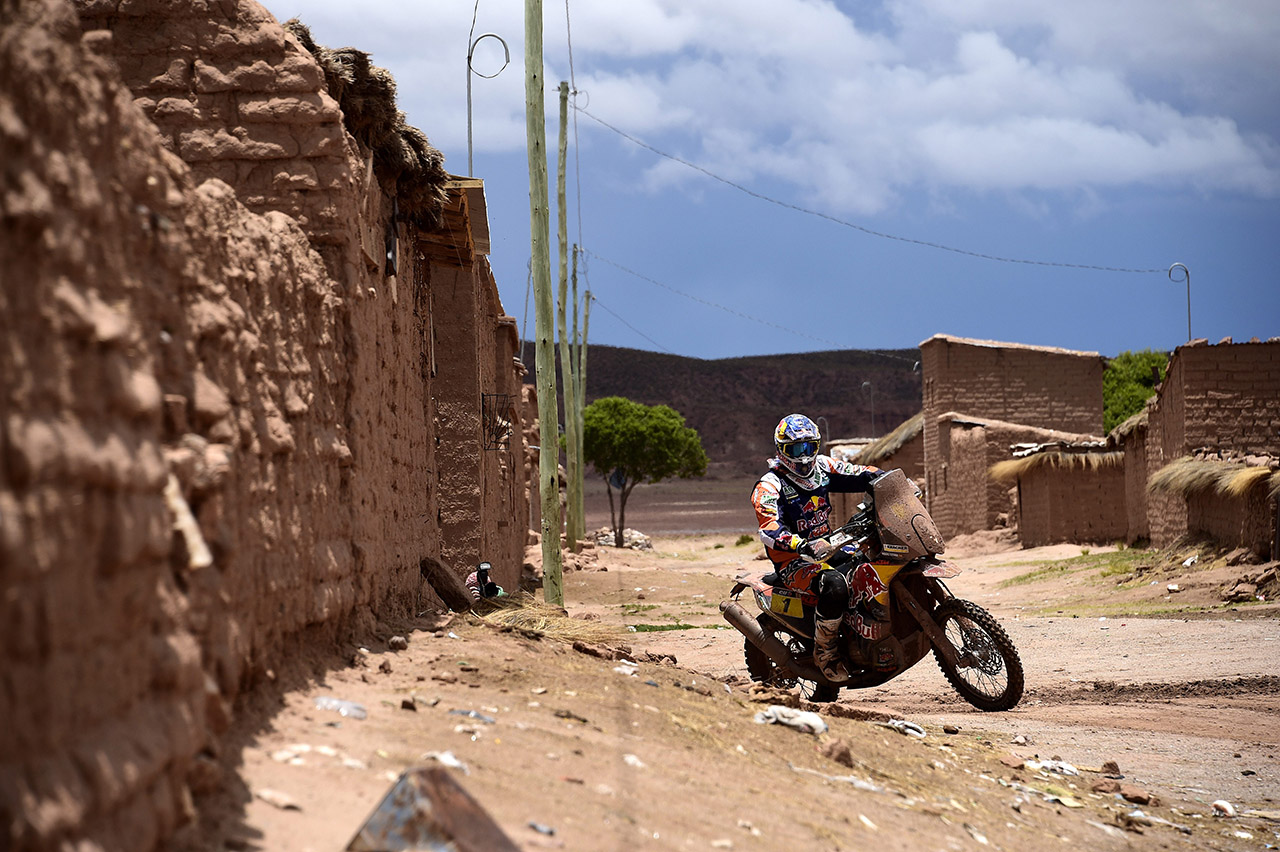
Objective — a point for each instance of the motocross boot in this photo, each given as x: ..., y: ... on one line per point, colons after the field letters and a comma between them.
x: 826, y: 649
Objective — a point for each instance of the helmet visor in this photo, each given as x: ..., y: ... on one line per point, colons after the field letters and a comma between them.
x: 799, y: 449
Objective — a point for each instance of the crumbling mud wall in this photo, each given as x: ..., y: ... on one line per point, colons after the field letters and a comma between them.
x: 217, y: 443
x: 1033, y: 386
x: 1221, y: 401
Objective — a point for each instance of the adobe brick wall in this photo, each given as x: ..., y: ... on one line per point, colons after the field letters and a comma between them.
x: 1224, y: 397
x: 1135, y: 486
x: 156, y: 327
x: 1072, y: 505
x: 1032, y: 386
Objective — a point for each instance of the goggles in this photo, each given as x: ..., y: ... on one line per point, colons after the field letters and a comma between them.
x: 799, y: 449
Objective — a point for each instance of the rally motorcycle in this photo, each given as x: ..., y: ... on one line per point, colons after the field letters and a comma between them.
x: 900, y: 607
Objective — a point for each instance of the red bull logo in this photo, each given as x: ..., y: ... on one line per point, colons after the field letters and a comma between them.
x: 866, y: 584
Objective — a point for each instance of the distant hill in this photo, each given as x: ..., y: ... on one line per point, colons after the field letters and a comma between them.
x: 734, y: 403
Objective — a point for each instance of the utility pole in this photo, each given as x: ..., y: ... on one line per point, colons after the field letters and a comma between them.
x: 573, y: 528
x: 535, y: 114
x: 580, y: 387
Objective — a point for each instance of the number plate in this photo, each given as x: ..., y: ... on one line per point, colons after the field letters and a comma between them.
x: 786, y: 604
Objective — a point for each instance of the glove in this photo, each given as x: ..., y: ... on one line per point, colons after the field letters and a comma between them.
x: 814, y: 550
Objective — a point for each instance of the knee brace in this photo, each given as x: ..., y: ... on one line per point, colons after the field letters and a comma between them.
x: 833, y: 594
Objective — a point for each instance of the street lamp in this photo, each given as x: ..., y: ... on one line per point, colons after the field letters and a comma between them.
x: 471, y: 52
x: 1186, y: 274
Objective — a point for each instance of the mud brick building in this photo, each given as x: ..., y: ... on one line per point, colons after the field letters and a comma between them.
x: 979, y: 398
x: 255, y: 371
x: 1218, y: 414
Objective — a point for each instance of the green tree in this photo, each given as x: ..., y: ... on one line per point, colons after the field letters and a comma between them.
x: 1127, y: 383
x: 629, y: 443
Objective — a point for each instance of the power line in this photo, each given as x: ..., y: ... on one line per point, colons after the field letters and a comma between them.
x: 852, y: 225
x: 629, y: 325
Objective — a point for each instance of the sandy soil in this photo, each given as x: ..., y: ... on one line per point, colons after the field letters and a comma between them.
x: 668, y: 756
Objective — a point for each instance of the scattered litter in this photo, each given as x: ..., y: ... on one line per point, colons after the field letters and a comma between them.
x: 722, y: 843
x: 541, y: 829
x: 626, y: 668
x: 1191, y: 560
x: 801, y: 720
x: 1058, y: 766
x: 1223, y: 808
x: 446, y: 758
x: 976, y: 834
x: 471, y: 714
x: 343, y: 708
x: 865, y: 820
x: 1173, y: 587
x: 1243, y: 835
x: 1066, y: 801
x: 858, y: 783
x: 1108, y: 829
x: 748, y: 827
x: 429, y: 809
x: 453, y: 635
x: 1137, y: 817
x: 539, y: 690
x: 277, y: 799
x: 632, y: 760
x: 902, y: 726
x: 650, y: 683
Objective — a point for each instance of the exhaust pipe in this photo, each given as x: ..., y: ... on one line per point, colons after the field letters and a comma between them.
x: 747, y: 626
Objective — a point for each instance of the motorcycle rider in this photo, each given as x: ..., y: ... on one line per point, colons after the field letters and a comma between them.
x: 792, y: 508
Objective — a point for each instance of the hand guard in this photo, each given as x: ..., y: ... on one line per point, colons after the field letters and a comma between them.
x: 815, y: 550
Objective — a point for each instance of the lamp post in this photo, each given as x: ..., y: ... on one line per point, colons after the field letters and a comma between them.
x: 471, y: 49
x: 1186, y: 274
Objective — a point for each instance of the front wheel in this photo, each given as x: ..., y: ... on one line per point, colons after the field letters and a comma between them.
x: 990, y: 673
x: 764, y: 670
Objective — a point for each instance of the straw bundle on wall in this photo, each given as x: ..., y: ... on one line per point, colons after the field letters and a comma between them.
x: 1189, y: 475
x: 1013, y: 469
x: 883, y: 447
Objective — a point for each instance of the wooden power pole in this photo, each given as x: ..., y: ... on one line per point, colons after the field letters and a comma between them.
x: 573, y: 527
x: 579, y: 358
x: 535, y: 113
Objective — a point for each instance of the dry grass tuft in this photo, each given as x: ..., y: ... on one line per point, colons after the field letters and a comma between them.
x: 1242, y: 482
x: 526, y: 613
x: 886, y: 446
x: 1011, y: 470
x: 1188, y: 476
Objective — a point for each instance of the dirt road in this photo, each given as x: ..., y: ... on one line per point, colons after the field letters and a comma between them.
x: 613, y: 756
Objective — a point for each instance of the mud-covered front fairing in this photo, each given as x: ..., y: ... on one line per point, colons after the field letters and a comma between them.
x: 906, y: 530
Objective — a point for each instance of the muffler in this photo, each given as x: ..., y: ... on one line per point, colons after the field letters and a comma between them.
x: 767, y: 642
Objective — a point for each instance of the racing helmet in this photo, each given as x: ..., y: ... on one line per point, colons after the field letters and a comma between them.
x: 797, y: 441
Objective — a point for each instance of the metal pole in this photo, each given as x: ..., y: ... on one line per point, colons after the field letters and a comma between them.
x: 865, y: 386
x: 470, y: 52
x: 1186, y: 273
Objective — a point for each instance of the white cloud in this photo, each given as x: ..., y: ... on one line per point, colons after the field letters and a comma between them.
x: 945, y: 95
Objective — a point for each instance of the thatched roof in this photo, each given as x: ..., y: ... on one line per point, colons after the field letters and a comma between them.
x: 1189, y: 475
x: 1130, y: 425
x: 1062, y: 458
x: 404, y: 161
x: 885, y: 446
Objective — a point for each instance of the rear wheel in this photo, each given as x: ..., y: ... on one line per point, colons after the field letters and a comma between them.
x: 764, y: 670
x: 990, y: 674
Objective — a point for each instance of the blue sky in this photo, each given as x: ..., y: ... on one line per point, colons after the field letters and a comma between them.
x: 1093, y: 133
